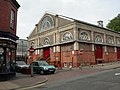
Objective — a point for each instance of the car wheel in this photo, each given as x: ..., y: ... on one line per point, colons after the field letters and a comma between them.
x: 53, y: 72
x: 41, y: 72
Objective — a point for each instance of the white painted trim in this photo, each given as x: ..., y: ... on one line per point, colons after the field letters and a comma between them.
x: 8, y: 39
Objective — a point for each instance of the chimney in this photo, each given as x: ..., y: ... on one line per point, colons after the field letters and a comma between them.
x: 56, y: 20
x: 36, y: 28
x: 100, y: 23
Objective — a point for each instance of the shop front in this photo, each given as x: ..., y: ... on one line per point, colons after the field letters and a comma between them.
x: 7, y: 56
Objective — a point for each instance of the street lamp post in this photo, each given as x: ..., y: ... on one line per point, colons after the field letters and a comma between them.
x: 22, y: 49
x: 26, y: 57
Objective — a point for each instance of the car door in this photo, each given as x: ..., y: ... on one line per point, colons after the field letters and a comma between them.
x: 35, y: 67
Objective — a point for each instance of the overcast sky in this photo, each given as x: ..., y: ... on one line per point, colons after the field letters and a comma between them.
x: 31, y: 11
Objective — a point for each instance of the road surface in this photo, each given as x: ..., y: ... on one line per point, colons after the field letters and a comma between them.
x: 103, y: 80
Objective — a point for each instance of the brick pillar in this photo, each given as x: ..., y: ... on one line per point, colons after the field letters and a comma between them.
x: 76, y: 56
x: 57, y: 56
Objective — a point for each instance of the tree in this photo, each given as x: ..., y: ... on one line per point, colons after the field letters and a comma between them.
x: 114, y: 24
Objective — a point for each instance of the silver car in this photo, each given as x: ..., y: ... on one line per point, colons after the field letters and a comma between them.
x: 19, y: 65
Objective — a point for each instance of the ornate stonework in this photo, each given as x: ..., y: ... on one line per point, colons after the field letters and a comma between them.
x: 67, y: 36
x: 46, y: 41
x: 84, y: 36
x: 47, y: 23
x: 98, y: 38
x: 109, y: 40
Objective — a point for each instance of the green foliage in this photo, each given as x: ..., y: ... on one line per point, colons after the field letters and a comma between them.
x: 114, y: 24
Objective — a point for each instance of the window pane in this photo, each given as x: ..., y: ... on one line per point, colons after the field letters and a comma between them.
x: 12, y: 19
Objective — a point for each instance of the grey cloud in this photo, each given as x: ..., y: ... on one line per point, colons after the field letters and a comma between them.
x: 90, y: 11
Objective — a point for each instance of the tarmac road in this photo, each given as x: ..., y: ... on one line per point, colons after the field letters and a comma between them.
x: 61, y: 78
x: 104, y: 80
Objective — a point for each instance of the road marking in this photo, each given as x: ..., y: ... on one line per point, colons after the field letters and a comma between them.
x: 31, y: 86
x: 116, y: 74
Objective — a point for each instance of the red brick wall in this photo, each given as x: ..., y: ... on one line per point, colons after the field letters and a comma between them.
x: 75, y: 58
x: 69, y: 55
x: 5, y: 9
x: 88, y: 57
x: 112, y: 56
x: 66, y: 54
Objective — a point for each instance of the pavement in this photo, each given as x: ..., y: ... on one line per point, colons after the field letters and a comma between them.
x: 108, y: 66
x: 23, y: 81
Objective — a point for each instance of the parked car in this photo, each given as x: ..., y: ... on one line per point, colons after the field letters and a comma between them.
x: 18, y: 65
x: 43, y: 67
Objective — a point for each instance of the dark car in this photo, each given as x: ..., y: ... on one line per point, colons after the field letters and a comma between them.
x: 43, y: 67
x: 18, y: 65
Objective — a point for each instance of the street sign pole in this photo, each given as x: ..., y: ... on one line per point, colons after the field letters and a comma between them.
x: 32, y: 74
x: 31, y: 52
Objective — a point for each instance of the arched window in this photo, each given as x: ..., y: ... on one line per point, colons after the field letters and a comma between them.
x: 98, y: 38
x: 46, y: 41
x: 47, y: 23
x: 109, y: 40
x: 84, y: 36
x: 118, y: 41
x: 67, y: 36
x: 32, y: 44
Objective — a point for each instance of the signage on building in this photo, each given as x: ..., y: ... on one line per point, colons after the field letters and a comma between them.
x: 80, y: 51
x: 73, y: 52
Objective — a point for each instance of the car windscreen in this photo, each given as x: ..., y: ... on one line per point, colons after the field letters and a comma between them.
x: 43, y: 63
x: 21, y: 63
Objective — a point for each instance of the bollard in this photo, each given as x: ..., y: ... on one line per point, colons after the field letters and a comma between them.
x: 80, y: 67
x: 32, y: 74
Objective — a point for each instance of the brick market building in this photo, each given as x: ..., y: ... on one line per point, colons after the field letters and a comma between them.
x: 8, y: 24
x: 65, y: 42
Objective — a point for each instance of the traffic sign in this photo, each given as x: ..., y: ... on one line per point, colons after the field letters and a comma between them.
x: 31, y: 50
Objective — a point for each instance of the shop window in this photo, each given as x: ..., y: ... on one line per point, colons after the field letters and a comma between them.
x: 1, y: 60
